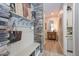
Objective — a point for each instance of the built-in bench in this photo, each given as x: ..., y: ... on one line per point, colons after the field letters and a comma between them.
x: 31, y: 50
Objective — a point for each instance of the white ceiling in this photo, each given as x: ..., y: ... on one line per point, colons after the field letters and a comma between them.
x: 52, y: 7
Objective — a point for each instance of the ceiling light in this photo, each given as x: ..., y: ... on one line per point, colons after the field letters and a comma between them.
x: 52, y: 13
x: 61, y: 12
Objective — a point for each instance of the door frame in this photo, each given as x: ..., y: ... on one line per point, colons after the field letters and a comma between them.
x: 64, y: 21
x: 73, y: 29
x: 64, y: 28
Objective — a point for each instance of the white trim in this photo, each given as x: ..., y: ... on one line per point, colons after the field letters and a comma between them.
x: 44, y: 25
x: 73, y: 29
x: 64, y: 28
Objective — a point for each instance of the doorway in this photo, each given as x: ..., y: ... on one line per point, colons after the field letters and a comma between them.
x: 53, y: 43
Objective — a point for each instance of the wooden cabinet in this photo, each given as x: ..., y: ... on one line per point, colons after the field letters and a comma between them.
x: 51, y: 35
x: 15, y: 36
x: 27, y: 10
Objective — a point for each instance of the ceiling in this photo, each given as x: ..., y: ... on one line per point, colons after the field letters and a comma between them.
x: 52, y: 7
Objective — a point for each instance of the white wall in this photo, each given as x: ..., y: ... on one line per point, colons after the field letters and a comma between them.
x: 76, y: 29
x: 19, y: 9
x: 26, y: 40
x: 69, y: 18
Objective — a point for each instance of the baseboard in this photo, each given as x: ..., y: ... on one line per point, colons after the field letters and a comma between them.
x: 70, y: 51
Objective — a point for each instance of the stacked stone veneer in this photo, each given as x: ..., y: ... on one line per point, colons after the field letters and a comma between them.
x: 4, y: 18
x: 38, y: 23
x: 11, y: 20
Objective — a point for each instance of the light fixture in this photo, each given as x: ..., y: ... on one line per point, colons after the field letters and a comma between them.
x: 52, y: 13
x: 61, y: 12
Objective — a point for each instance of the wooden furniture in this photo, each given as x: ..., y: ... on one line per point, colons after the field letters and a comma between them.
x: 15, y: 36
x: 27, y: 12
x: 18, y: 35
x: 51, y: 35
x: 25, y: 9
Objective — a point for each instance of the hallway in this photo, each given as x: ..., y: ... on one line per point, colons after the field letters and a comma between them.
x: 52, y: 48
x: 53, y: 29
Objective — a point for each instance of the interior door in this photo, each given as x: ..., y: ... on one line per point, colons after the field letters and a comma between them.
x: 68, y: 40
x: 70, y: 29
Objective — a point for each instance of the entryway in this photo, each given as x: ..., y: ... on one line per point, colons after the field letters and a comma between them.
x: 53, y: 43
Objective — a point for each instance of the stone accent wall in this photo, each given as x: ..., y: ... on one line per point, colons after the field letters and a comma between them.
x: 10, y: 20
x: 38, y: 23
x: 4, y: 18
